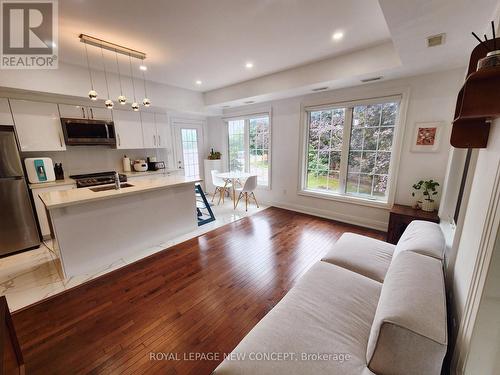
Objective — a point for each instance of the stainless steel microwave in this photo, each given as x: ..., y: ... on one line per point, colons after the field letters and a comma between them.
x: 85, y: 132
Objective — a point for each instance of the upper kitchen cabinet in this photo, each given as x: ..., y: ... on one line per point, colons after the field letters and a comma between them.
x: 149, y: 133
x: 163, y: 130
x: 128, y: 130
x: 38, y: 125
x: 5, y: 114
x: 84, y: 112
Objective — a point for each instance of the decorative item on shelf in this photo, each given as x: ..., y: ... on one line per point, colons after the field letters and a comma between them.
x: 92, y: 93
x: 214, y: 155
x: 140, y: 165
x: 135, y: 105
x: 146, y: 102
x: 429, y: 191
x: 478, y: 102
x: 427, y: 137
x: 416, y: 197
x: 122, y: 99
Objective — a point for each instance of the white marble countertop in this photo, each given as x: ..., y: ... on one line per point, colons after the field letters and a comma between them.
x: 41, y: 185
x: 58, y: 199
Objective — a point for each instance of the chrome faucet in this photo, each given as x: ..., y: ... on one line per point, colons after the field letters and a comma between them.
x: 117, y: 181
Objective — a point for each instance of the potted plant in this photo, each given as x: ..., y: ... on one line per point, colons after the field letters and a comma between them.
x: 214, y: 155
x: 429, y: 190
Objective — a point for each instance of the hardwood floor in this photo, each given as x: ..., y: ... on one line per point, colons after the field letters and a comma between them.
x: 202, y: 296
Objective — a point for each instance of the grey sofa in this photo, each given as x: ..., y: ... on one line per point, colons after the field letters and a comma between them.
x: 368, y: 307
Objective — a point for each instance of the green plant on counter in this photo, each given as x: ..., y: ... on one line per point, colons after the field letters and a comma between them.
x: 429, y: 188
x: 214, y: 155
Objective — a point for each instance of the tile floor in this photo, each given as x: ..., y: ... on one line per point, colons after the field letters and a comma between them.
x: 34, y: 275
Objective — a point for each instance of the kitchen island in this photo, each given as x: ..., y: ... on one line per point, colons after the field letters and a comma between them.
x: 95, y: 227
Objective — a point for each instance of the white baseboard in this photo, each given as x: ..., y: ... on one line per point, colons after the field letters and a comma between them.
x: 328, y: 214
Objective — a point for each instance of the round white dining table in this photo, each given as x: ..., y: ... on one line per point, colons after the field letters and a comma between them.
x: 234, y: 177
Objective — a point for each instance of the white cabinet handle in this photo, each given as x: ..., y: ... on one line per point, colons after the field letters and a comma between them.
x: 119, y: 141
x: 159, y: 140
x: 91, y: 112
x: 83, y: 112
x: 154, y: 140
x: 60, y: 140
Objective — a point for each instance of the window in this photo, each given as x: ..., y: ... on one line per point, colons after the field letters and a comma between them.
x: 349, y: 149
x: 248, y: 145
x: 190, y: 152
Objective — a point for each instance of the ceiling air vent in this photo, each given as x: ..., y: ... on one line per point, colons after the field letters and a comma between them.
x: 435, y: 40
x: 371, y: 79
x: 320, y: 89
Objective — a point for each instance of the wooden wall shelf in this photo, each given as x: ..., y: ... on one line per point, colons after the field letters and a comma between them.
x: 478, y: 103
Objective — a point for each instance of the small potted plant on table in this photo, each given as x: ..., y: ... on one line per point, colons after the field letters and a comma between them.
x: 429, y: 191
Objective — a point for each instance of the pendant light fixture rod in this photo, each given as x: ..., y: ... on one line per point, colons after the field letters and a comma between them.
x: 84, y: 38
x: 88, y: 66
x: 119, y: 75
x: 105, y: 73
x: 144, y: 80
x: 132, y: 76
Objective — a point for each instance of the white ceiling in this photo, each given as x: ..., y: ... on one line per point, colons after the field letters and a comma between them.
x: 211, y: 40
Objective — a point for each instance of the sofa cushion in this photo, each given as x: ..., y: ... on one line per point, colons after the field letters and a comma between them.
x: 409, y: 332
x: 364, y: 255
x: 422, y: 237
x: 329, y: 311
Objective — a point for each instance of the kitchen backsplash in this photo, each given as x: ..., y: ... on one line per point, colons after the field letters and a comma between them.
x: 88, y: 159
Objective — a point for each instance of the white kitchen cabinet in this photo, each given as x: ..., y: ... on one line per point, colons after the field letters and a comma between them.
x: 40, y: 207
x: 84, y: 112
x: 38, y: 125
x: 5, y: 114
x: 163, y: 130
x: 149, y: 133
x: 128, y: 130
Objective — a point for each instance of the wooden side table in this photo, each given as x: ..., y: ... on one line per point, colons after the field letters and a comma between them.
x: 401, y: 216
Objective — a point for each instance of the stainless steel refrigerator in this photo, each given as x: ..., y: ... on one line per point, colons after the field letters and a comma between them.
x: 18, y: 227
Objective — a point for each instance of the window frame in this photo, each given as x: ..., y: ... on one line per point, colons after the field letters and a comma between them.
x: 399, y: 127
x: 246, y: 118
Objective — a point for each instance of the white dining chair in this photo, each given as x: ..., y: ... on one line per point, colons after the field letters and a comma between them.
x: 247, y: 191
x: 220, y: 186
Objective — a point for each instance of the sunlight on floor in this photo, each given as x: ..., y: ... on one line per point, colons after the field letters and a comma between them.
x: 34, y: 275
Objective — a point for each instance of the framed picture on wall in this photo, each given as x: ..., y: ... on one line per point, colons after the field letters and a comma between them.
x: 427, y: 137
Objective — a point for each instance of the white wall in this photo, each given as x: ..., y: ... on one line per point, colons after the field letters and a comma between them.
x: 74, y: 81
x: 91, y: 159
x: 432, y: 98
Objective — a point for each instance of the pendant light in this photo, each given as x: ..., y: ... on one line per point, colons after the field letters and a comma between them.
x: 146, y: 102
x: 135, y: 105
x: 108, y: 103
x: 92, y: 93
x: 121, y: 99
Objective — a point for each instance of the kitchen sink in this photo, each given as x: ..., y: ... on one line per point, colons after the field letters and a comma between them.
x: 109, y: 187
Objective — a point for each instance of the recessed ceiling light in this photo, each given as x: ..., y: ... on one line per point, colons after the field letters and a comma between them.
x: 338, y: 35
x: 143, y: 68
x: 249, y: 65
x: 198, y: 82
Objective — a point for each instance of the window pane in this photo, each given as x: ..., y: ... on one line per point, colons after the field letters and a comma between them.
x: 325, y: 134
x: 259, y: 148
x: 371, y: 142
x: 236, y: 131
